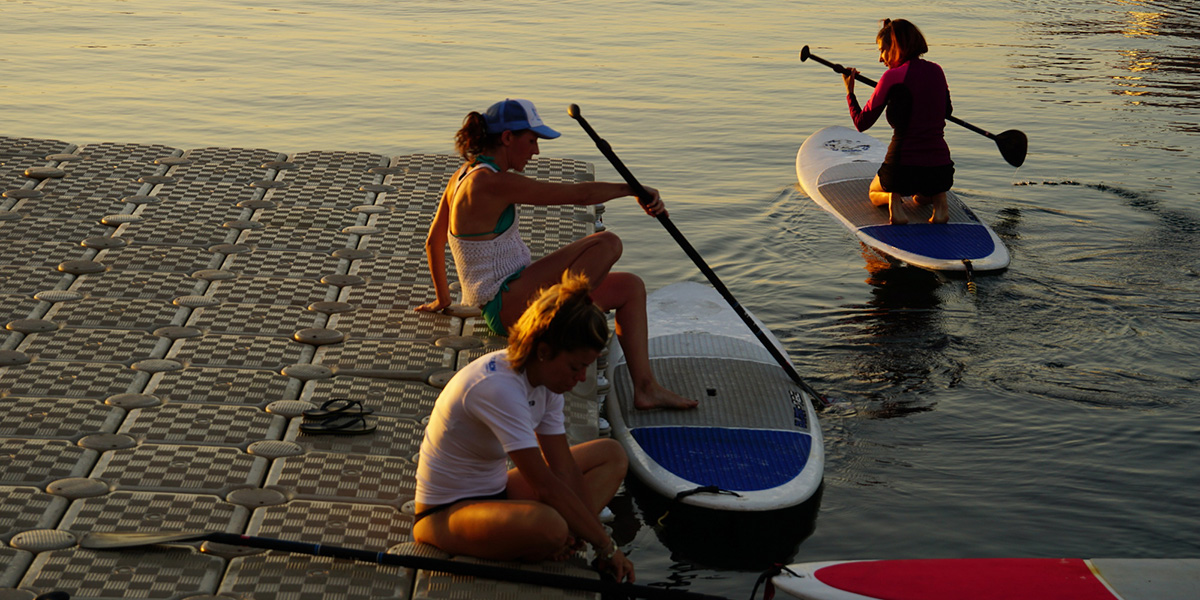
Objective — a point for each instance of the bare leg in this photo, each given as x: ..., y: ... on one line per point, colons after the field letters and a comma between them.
x: 593, y: 255
x: 603, y: 464
x: 894, y: 202
x: 941, y: 210
x: 522, y: 528
x: 625, y: 293
x: 496, y: 529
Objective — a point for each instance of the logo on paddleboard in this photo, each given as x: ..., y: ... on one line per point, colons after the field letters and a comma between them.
x: 846, y: 146
x: 799, y: 415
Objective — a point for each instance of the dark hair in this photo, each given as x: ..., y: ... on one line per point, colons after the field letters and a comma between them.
x: 904, y: 35
x: 563, y: 317
x: 473, y: 139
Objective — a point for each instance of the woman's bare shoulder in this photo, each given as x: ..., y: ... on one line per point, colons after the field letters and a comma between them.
x: 507, y: 186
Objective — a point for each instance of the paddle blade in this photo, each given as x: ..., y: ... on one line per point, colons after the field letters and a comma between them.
x: 1013, y: 144
x: 101, y: 540
x: 804, y: 54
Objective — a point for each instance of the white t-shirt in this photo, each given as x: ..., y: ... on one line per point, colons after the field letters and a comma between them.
x: 486, y: 411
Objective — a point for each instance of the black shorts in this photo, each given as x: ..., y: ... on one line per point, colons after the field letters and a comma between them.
x: 908, y: 181
x: 437, y: 508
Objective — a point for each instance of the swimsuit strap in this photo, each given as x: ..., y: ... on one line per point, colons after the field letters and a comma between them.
x: 487, y: 160
x: 510, y: 212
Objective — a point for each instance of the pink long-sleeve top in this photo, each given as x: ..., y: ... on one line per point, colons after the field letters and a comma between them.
x: 917, y: 99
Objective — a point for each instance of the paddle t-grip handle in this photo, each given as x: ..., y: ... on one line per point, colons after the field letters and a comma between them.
x: 805, y: 55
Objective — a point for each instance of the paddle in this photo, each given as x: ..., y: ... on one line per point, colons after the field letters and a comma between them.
x: 1012, y: 143
x: 644, y: 198
x: 115, y: 540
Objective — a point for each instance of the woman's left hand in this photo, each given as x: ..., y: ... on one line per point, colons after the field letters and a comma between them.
x: 434, y: 306
x: 655, y: 206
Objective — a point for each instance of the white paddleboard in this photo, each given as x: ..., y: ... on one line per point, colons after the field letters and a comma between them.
x: 835, y: 167
x: 755, y: 434
x: 994, y: 579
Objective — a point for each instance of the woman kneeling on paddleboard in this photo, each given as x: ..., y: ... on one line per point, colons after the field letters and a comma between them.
x: 477, y: 217
x: 509, y: 405
x: 917, y: 98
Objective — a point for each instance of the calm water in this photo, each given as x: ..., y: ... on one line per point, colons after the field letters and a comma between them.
x: 1052, y: 412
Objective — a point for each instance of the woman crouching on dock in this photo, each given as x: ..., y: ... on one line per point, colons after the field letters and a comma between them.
x: 509, y: 405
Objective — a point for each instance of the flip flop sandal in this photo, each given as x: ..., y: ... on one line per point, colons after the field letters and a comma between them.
x: 335, y: 407
x: 344, y: 424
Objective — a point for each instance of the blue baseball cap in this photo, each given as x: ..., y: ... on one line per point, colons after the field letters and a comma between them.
x: 515, y: 115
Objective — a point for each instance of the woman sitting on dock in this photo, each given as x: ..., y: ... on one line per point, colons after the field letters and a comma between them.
x: 477, y: 217
x: 509, y: 405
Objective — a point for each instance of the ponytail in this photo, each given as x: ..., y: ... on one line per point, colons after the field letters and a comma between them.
x: 473, y: 139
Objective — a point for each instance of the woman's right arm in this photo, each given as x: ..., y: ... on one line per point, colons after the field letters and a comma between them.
x: 512, y: 188
x: 435, y: 254
x: 552, y: 490
x: 866, y: 116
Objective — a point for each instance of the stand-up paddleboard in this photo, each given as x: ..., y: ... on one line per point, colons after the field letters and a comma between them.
x: 995, y: 579
x: 754, y: 441
x: 835, y: 167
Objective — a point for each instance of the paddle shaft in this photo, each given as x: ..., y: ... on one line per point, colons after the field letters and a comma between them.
x: 1012, y: 143
x: 644, y: 198
x: 568, y: 582
x: 873, y: 83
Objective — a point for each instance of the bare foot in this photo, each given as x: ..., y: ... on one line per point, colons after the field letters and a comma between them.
x: 659, y: 397
x: 896, y: 210
x: 941, y: 211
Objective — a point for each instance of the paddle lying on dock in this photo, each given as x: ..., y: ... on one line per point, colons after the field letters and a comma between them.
x: 1013, y: 144
x: 644, y: 197
x: 115, y: 540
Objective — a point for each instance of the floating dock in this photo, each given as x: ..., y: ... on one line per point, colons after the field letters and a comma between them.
x: 169, y: 314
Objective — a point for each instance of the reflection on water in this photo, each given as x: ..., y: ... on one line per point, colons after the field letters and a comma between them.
x: 1148, y: 50
x: 898, y: 339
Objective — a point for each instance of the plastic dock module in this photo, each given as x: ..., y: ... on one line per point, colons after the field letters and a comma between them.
x: 169, y: 314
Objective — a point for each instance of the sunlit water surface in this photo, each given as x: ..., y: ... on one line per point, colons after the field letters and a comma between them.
x: 1052, y: 412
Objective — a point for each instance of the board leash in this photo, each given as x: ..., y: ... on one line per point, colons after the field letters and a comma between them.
x: 970, y: 275
x: 765, y: 580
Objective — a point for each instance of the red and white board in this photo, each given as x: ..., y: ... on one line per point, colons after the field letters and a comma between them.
x: 994, y: 579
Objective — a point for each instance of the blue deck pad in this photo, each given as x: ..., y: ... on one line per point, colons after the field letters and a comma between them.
x: 741, y: 460
x: 949, y: 241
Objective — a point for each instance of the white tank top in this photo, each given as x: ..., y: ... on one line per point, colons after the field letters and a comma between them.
x: 483, y: 265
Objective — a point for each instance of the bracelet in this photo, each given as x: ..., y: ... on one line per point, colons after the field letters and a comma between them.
x: 607, y: 555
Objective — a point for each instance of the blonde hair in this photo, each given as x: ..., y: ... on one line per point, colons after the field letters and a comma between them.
x: 563, y: 317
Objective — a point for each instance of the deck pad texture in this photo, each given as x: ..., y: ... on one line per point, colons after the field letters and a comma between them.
x: 836, y: 165
x: 754, y: 431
